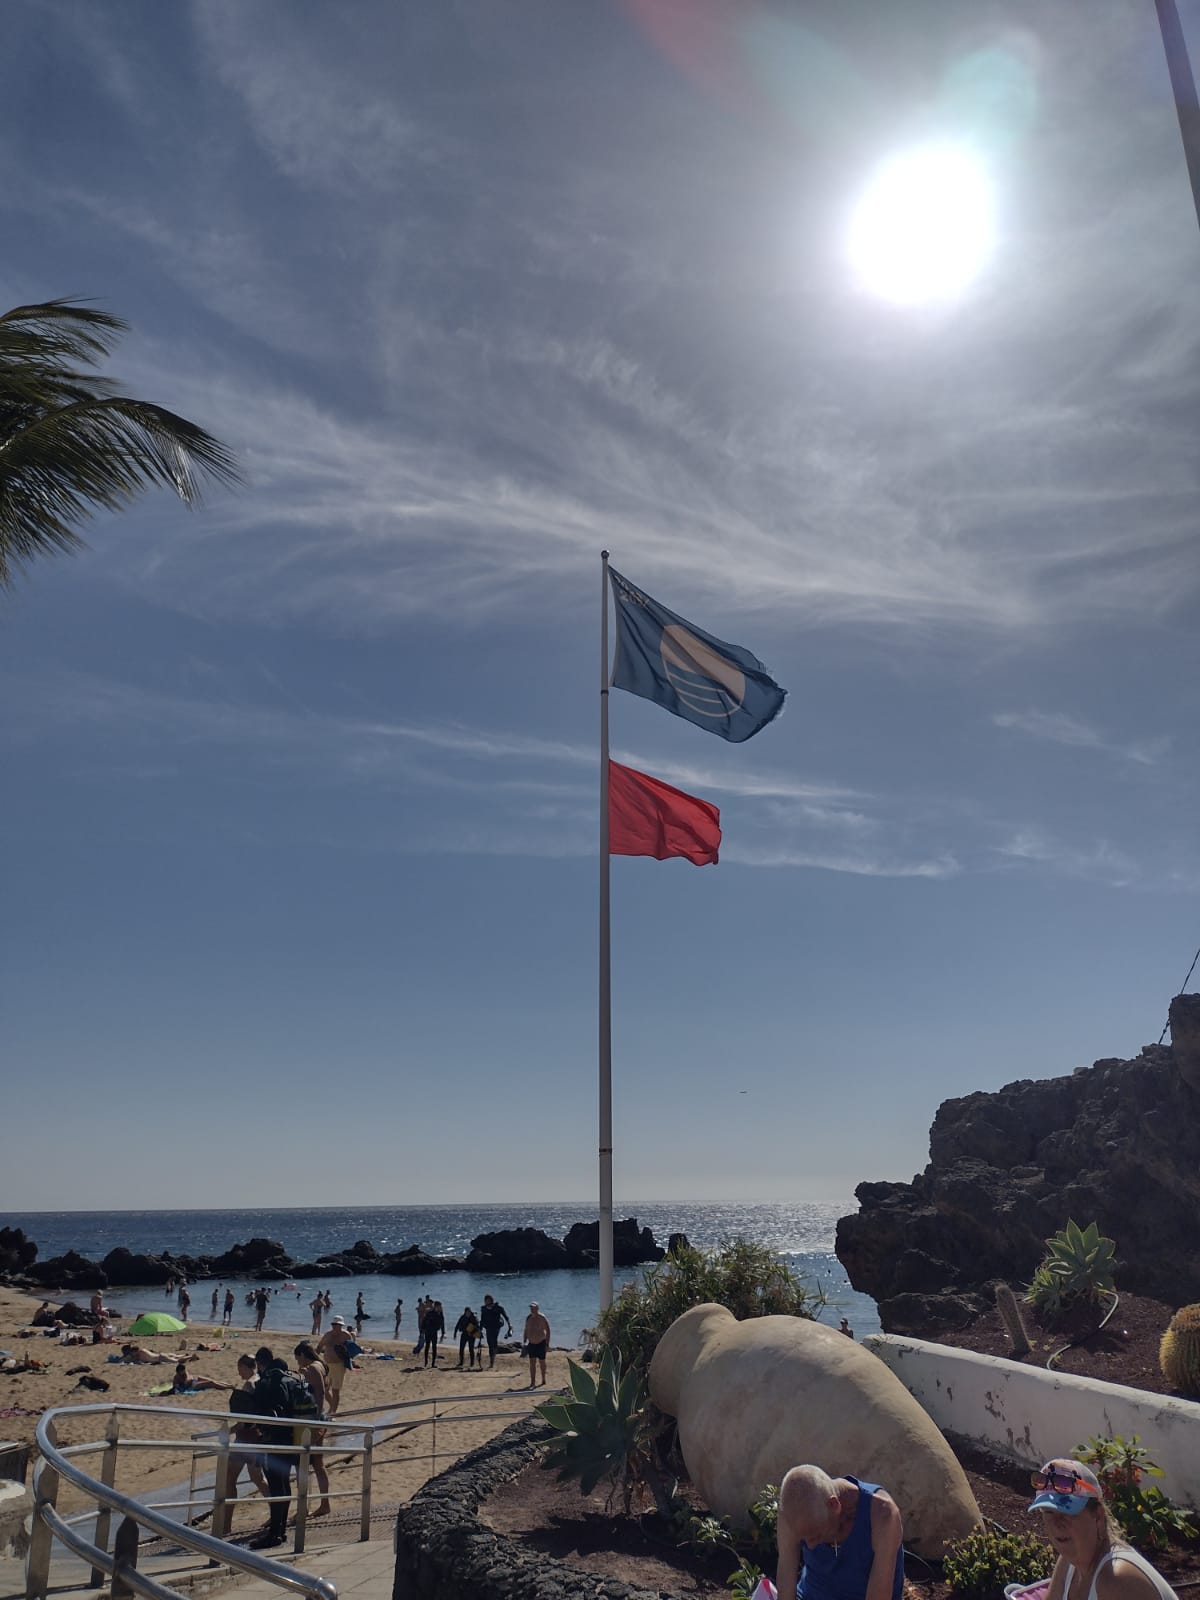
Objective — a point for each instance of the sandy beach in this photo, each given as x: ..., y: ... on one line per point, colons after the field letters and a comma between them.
x: 395, y: 1474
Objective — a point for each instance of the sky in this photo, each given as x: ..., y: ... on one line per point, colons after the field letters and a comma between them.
x: 301, y: 788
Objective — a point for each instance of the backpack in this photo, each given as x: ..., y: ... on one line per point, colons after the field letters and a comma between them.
x: 282, y: 1394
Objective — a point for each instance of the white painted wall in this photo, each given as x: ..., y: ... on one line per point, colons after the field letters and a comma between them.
x: 1029, y: 1414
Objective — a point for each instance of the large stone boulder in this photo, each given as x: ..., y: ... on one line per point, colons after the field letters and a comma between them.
x: 123, y: 1268
x: 631, y: 1245
x: 17, y: 1253
x: 1117, y: 1143
x: 263, y: 1258
x: 70, y: 1271
x: 755, y: 1398
x: 515, y: 1250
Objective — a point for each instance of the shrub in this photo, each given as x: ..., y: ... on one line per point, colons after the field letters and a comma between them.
x: 979, y: 1566
x: 1146, y: 1516
x: 748, y: 1278
x: 601, y: 1432
x: 1179, y: 1353
x: 1076, y: 1269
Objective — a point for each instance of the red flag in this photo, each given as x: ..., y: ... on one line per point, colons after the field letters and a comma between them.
x: 646, y: 817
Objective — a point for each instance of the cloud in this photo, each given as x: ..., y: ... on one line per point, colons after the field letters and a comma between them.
x: 1056, y: 727
x: 1100, y: 862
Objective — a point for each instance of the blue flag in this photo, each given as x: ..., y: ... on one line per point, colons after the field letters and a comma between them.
x: 718, y: 686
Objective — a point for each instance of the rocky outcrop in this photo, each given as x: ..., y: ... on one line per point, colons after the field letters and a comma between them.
x: 70, y: 1271
x: 17, y: 1253
x: 631, y: 1245
x: 257, y: 1258
x: 515, y: 1250
x: 124, y: 1267
x: 1117, y: 1143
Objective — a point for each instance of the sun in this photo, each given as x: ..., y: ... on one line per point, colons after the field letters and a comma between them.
x: 924, y: 226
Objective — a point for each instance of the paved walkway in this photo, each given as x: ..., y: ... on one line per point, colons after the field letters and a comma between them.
x: 365, y: 1571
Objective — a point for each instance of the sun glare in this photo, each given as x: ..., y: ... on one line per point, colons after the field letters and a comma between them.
x: 923, y: 227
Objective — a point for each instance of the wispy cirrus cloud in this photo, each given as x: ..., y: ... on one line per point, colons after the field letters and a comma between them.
x: 1098, y: 862
x: 1057, y: 727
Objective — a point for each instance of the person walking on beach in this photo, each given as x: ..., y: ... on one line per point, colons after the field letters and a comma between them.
x: 332, y: 1351
x: 537, y: 1342
x: 185, y: 1301
x: 314, y: 1373
x: 227, y: 1312
x: 399, y: 1316
x: 433, y: 1325
x: 317, y: 1306
x: 275, y: 1396
x: 360, y: 1314
x: 490, y: 1318
x: 423, y: 1305
x: 243, y: 1434
x: 849, y: 1533
x: 467, y: 1329
x: 260, y: 1309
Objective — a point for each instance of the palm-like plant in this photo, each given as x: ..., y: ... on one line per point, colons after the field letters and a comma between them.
x: 69, y: 445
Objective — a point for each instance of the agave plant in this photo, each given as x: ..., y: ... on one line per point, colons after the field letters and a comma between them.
x: 1078, y: 1266
x: 597, y: 1428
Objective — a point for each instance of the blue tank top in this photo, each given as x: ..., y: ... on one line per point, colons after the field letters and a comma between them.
x: 842, y: 1574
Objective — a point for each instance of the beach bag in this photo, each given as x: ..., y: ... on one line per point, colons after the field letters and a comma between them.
x: 350, y: 1349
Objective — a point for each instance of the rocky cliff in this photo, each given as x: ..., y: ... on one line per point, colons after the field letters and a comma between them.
x: 1117, y: 1143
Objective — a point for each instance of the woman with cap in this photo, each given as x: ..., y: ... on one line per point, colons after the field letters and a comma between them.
x: 1094, y: 1560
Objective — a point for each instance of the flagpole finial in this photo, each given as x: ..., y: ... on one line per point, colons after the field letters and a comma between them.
x: 604, y: 555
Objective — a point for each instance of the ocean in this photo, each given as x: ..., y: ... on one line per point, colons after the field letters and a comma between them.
x: 801, y: 1234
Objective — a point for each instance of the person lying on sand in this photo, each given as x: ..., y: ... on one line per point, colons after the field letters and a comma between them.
x: 144, y: 1357
x: 184, y: 1380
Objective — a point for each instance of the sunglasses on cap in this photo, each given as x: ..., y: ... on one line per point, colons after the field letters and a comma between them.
x: 1060, y: 1481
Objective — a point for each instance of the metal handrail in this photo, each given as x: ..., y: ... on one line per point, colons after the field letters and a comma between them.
x: 111, y: 1499
x: 56, y: 1462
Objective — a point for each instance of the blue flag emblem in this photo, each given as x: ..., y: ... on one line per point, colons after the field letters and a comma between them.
x: 718, y: 686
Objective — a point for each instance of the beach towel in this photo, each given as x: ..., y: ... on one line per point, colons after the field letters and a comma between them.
x: 19, y: 1411
x: 169, y: 1388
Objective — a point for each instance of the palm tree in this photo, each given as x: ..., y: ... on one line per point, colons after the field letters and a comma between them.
x: 69, y: 445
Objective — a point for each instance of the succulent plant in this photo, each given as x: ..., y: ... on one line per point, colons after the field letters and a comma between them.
x: 1179, y: 1353
x: 1077, y: 1266
x: 596, y: 1429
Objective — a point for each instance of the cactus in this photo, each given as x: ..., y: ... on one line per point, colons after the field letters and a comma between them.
x: 1014, y: 1322
x: 1179, y: 1353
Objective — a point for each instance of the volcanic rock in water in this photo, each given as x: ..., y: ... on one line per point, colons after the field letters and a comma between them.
x: 70, y: 1271
x: 264, y: 1258
x: 515, y: 1250
x: 16, y: 1251
x: 631, y: 1245
x: 1117, y: 1143
x: 124, y: 1267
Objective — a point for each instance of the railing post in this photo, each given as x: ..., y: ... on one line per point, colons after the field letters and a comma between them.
x: 220, y: 1510
x: 433, y: 1446
x: 187, y: 1516
x: 45, y: 1493
x: 125, y: 1557
x: 302, y: 1489
x: 364, y: 1531
x: 108, y: 1476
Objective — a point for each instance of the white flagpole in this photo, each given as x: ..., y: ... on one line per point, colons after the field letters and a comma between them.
x: 606, y: 1206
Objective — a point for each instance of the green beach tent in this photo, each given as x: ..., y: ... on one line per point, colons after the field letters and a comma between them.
x: 157, y: 1322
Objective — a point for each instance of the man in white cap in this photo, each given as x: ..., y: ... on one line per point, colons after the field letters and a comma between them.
x: 332, y: 1351
x: 537, y: 1342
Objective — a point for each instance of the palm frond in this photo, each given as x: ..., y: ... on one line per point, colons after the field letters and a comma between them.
x: 70, y: 446
x: 58, y: 330
x: 97, y: 453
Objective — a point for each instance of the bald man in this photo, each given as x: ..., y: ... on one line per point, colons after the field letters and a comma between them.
x: 839, y: 1539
